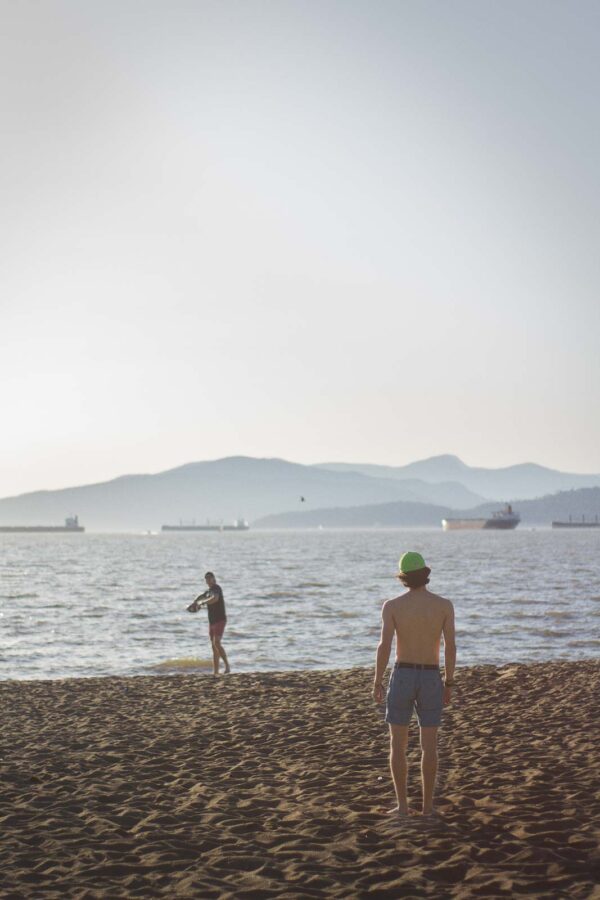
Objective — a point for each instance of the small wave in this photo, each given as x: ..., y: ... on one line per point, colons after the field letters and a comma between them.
x: 334, y: 614
x: 279, y: 595
x: 527, y: 601
x: 549, y: 632
x: 20, y: 596
x: 591, y: 643
x: 184, y: 663
x: 311, y: 584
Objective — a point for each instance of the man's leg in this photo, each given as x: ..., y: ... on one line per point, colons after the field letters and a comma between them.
x: 216, y: 655
x: 221, y: 651
x: 429, y: 761
x: 398, y: 766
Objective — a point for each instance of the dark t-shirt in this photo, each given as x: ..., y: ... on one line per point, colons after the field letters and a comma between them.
x: 216, y: 611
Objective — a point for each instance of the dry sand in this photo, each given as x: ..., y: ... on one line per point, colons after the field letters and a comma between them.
x: 277, y: 785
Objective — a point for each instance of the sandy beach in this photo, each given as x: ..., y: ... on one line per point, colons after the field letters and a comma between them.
x: 277, y: 785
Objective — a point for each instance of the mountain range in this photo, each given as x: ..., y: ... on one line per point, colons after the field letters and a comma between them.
x: 217, y: 491
x: 244, y: 487
x: 525, y: 480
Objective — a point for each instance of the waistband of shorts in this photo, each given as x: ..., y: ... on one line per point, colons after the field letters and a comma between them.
x: 428, y: 666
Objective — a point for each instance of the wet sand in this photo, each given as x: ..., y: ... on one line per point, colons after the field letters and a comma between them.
x: 277, y: 785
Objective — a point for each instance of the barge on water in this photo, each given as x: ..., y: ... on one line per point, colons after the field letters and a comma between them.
x: 238, y: 525
x: 502, y: 520
x: 579, y: 524
x: 71, y: 526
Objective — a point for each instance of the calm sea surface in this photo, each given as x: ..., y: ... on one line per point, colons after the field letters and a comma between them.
x: 80, y: 605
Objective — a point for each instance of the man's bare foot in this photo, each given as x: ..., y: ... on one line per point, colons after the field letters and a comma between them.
x: 430, y: 813
x: 402, y: 811
x: 227, y: 671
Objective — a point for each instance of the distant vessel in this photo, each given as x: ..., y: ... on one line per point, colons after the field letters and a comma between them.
x: 238, y: 525
x: 502, y: 520
x: 579, y: 524
x: 71, y: 525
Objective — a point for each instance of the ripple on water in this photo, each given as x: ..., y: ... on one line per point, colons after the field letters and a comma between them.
x: 549, y: 632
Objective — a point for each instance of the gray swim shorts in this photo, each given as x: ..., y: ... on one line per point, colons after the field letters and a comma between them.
x: 419, y: 689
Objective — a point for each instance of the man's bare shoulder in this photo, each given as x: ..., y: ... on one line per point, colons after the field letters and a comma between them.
x: 394, y: 602
x: 388, y: 606
x: 443, y: 601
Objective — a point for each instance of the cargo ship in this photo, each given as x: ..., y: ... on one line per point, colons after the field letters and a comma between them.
x: 579, y: 524
x: 71, y: 525
x: 238, y: 525
x: 502, y: 520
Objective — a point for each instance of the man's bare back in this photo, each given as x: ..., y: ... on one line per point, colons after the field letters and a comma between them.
x: 418, y: 619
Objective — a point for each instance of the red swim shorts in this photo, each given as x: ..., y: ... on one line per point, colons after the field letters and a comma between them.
x: 217, y: 629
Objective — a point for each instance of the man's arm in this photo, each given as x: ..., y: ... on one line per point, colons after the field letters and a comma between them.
x: 383, y: 649
x: 206, y: 599
x: 449, y: 651
x: 198, y: 602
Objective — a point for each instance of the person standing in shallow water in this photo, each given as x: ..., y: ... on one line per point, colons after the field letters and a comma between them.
x: 215, y: 603
x: 418, y: 619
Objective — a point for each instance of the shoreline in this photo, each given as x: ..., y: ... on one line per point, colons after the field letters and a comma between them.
x: 276, y: 784
x: 204, y: 671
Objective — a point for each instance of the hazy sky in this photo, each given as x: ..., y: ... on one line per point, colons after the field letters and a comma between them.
x: 361, y: 231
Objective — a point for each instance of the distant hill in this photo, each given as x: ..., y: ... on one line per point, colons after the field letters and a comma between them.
x: 585, y: 501
x: 220, y: 490
x: 526, y: 480
x: 443, y: 493
x: 379, y: 515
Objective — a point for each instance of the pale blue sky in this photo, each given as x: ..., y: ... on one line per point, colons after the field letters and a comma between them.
x: 363, y: 231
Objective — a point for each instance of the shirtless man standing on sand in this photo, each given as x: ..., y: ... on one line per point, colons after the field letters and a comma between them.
x: 418, y: 618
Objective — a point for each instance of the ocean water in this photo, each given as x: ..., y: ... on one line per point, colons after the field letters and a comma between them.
x: 92, y: 604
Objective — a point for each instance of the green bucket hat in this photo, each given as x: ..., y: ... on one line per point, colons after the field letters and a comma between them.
x: 411, y: 562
